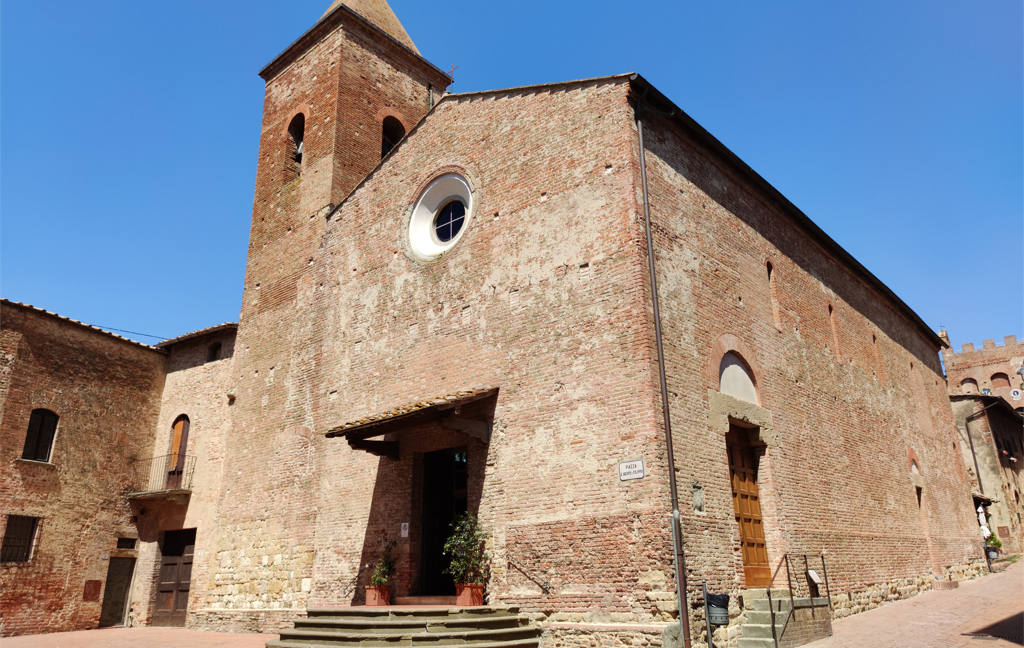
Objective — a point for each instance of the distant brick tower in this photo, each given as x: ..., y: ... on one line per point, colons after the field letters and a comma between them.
x: 336, y: 100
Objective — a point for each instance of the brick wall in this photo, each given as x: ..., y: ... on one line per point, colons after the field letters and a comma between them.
x: 979, y: 366
x: 850, y: 388
x: 106, y: 391
x: 196, y: 387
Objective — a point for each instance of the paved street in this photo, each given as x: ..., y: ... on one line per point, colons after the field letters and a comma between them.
x: 987, y: 612
x: 138, y: 638
x: 984, y: 613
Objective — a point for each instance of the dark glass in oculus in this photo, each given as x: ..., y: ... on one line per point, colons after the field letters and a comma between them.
x: 449, y: 220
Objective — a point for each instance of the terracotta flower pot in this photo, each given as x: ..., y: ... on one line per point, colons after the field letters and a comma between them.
x: 467, y: 595
x: 378, y: 595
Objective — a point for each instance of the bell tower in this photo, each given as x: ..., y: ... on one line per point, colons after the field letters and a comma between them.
x: 336, y: 99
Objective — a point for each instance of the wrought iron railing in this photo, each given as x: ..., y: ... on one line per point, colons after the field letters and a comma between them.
x: 809, y: 588
x: 171, y: 472
x: 540, y: 582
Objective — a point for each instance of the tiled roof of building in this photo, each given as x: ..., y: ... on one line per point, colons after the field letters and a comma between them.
x: 448, y: 400
x: 233, y: 326
x: 42, y: 311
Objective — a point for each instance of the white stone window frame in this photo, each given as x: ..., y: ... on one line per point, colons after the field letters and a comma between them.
x: 421, y: 239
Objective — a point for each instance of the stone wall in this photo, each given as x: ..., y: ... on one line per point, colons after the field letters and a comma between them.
x: 106, y: 391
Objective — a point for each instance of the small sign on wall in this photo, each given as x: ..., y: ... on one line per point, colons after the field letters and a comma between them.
x: 629, y: 470
x: 1015, y: 394
x: 405, y: 529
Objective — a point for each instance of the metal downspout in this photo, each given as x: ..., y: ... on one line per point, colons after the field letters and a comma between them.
x: 677, y: 531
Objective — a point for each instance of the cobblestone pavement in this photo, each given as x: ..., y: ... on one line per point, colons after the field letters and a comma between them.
x: 138, y: 638
x: 987, y: 612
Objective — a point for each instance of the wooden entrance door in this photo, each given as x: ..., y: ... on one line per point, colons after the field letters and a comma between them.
x: 174, y: 579
x: 444, y: 499
x: 115, y: 592
x: 747, y: 507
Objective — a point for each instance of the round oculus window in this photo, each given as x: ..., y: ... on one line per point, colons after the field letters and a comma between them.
x: 440, y: 217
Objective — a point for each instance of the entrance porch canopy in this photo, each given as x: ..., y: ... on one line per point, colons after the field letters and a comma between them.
x: 444, y: 410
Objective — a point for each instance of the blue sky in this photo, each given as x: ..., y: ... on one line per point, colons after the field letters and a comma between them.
x: 129, y: 133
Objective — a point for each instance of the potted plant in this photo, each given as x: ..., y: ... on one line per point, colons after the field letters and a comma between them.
x: 378, y: 592
x: 469, y: 563
x: 992, y: 547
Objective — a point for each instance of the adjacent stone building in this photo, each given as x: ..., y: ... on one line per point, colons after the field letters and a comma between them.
x: 992, y: 441
x: 517, y: 303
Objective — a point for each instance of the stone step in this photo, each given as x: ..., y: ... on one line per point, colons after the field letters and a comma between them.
x: 410, y: 636
x: 762, y: 592
x: 762, y: 630
x: 748, y: 642
x: 424, y: 600
x: 366, y: 611
x: 778, y: 604
x: 314, y: 643
x: 393, y: 624
x: 765, y: 617
x: 438, y: 627
x: 784, y: 603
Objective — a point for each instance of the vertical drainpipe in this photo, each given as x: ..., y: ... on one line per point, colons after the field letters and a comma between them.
x: 677, y: 531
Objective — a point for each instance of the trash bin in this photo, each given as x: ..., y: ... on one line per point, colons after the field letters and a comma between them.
x: 718, y: 609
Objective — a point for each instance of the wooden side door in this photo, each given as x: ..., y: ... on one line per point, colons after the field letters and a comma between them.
x: 115, y: 592
x: 174, y: 579
x: 176, y: 461
x: 747, y: 508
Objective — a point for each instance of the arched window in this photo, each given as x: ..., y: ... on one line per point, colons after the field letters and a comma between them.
x: 968, y: 386
x: 176, y: 458
x: 42, y: 426
x: 773, y: 294
x: 1000, y: 381
x: 296, y: 135
x: 834, y: 324
x: 391, y: 131
x: 736, y: 379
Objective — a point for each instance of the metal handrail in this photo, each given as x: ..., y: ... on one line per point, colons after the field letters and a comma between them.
x: 544, y: 585
x: 787, y: 562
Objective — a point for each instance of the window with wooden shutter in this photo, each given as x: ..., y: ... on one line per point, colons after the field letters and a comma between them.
x: 18, y: 537
x: 42, y: 425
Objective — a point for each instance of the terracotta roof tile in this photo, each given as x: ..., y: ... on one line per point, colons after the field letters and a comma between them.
x: 455, y: 398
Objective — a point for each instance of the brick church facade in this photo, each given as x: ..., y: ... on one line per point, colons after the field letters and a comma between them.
x: 448, y: 305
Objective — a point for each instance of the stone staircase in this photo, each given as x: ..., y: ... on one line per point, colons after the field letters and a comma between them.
x: 756, y: 631
x: 429, y: 627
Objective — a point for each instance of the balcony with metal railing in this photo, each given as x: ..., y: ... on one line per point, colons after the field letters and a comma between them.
x: 167, y: 477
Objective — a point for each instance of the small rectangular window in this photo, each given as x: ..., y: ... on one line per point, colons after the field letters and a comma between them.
x: 126, y: 543
x: 42, y: 425
x: 18, y: 538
